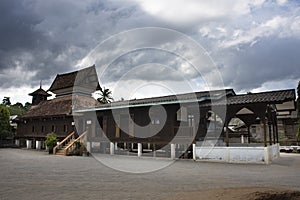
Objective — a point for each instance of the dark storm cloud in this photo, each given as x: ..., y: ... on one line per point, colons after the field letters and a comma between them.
x: 17, y: 23
x: 44, y: 38
x: 39, y: 39
x: 271, y: 59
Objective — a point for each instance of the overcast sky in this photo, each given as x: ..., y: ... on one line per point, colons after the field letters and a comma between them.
x: 249, y: 45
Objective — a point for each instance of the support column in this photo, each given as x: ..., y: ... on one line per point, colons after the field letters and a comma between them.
x: 227, y: 134
x: 270, y: 133
x: 38, y: 145
x: 89, y: 146
x: 274, y: 134
x: 265, y: 131
x: 112, y: 148
x: 276, y: 129
x: 28, y: 144
x: 17, y: 142
x: 242, y: 139
x: 249, y: 134
x: 154, y: 150
x: 194, y: 151
x: 116, y: 146
x: 140, y: 149
x: 173, y: 152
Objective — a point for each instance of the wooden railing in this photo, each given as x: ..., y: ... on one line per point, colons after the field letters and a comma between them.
x: 71, y: 147
x: 65, y: 141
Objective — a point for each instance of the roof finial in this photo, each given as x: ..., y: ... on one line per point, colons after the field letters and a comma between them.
x: 41, y: 84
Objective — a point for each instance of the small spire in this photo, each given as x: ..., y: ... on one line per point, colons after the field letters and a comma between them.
x: 41, y: 84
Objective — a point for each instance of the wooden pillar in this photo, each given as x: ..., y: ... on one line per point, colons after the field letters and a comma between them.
x: 276, y: 129
x: 265, y: 131
x: 274, y: 133
x: 227, y: 134
x: 270, y: 132
x: 249, y: 134
x: 154, y: 150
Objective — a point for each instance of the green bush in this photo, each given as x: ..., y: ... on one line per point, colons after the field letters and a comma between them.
x: 51, y: 141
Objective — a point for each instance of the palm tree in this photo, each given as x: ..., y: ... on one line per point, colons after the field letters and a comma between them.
x: 105, y: 96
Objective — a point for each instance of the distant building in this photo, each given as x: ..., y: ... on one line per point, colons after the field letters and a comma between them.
x: 72, y: 90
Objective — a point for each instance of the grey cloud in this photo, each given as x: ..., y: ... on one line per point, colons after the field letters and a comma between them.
x: 44, y: 38
x: 271, y: 59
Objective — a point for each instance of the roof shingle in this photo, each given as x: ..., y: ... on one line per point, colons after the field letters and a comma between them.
x: 60, y: 106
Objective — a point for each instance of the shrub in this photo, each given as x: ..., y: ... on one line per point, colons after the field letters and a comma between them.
x: 51, y: 141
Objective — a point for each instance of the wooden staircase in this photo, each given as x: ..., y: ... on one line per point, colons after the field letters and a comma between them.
x: 63, y: 150
x: 67, y: 146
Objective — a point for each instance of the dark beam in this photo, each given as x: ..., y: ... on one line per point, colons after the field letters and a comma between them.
x: 265, y: 131
x: 227, y: 133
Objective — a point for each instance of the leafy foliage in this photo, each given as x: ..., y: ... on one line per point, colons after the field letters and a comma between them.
x: 4, y: 121
x: 6, y: 101
x: 51, y: 141
x: 17, y: 108
x: 105, y: 96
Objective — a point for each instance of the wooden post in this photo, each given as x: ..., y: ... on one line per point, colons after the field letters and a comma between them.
x: 270, y: 133
x: 274, y: 134
x: 249, y: 134
x: 265, y: 132
x: 276, y: 129
x: 227, y: 134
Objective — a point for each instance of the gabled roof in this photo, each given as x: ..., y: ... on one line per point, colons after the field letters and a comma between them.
x: 60, y: 106
x: 273, y: 97
x: 270, y: 97
x: 86, y: 78
x: 204, y: 99
x: 41, y: 92
x: 171, y: 99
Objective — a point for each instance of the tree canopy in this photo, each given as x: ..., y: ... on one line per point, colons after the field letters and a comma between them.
x: 4, y: 121
x: 105, y: 96
x: 6, y: 101
x: 17, y: 108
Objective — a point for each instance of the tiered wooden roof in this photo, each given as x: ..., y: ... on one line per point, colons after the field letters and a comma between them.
x: 86, y: 78
x: 40, y: 92
x: 60, y: 106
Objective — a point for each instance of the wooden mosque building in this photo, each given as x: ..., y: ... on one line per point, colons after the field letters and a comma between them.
x: 72, y: 90
x: 195, y: 125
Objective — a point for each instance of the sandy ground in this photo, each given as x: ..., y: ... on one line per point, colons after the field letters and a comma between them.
x: 30, y: 174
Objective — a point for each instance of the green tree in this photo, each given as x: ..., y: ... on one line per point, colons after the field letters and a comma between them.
x: 6, y: 101
x: 4, y: 122
x: 18, y: 109
x: 105, y: 96
x: 298, y: 108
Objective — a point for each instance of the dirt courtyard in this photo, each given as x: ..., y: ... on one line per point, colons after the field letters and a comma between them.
x: 30, y: 174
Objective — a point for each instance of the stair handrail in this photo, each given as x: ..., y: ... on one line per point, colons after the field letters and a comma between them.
x: 71, y: 135
x: 76, y: 140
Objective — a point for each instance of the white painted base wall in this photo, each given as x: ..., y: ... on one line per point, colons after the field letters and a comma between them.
x: 238, y: 154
